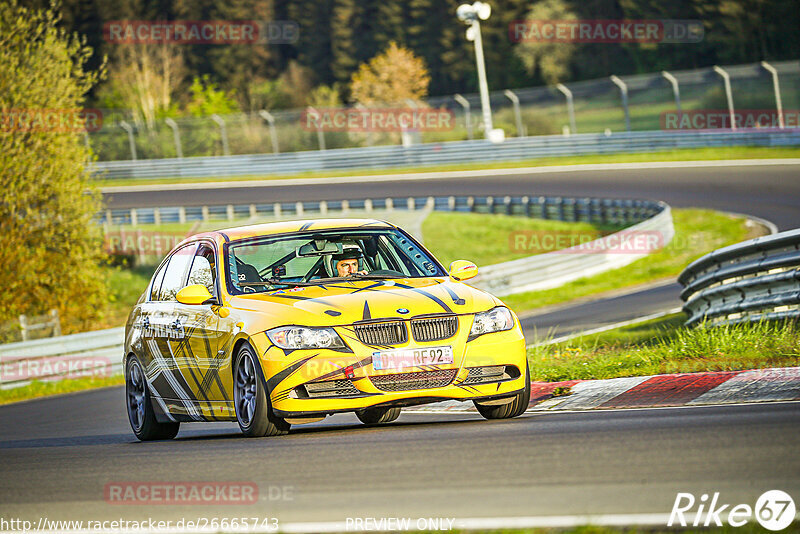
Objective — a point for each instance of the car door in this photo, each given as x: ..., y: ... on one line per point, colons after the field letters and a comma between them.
x: 165, y: 333
x: 198, y: 354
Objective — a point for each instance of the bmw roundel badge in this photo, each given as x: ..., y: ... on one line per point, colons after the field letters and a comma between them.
x: 402, y: 311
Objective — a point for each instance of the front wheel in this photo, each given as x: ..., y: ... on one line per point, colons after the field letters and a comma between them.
x: 140, y: 409
x: 512, y: 409
x: 376, y: 416
x: 253, y: 413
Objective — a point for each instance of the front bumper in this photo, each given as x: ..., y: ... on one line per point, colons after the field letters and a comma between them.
x: 288, y: 375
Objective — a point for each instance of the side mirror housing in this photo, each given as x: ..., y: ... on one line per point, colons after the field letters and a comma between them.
x: 194, y: 294
x: 461, y: 270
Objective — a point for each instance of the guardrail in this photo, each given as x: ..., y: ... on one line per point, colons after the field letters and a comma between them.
x: 749, y: 281
x: 429, y: 154
x: 93, y: 354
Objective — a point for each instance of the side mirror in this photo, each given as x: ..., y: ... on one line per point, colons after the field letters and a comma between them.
x: 461, y: 270
x: 194, y: 294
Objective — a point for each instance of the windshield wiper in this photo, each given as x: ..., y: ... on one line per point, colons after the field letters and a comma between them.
x: 369, y: 276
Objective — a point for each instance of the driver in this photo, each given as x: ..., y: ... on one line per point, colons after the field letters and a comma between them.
x: 346, y: 263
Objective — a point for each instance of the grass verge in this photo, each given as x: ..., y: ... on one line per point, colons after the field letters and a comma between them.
x: 697, y: 232
x: 42, y: 389
x: 486, y: 239
x: 664, y: 345
x: 687, y: 154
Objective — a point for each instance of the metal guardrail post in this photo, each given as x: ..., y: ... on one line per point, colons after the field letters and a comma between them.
x: 223, y: 132
x: 623, y: 89
x: 776, y: 86
x: 676, y: 90
x: 176, y: 136
x: 517, y: 113
x: 728, y: 93
x: 131, y: 142
x: 467, y: 116
x: 273, y: 134
x: 570, y: 106
x: 320, y: 133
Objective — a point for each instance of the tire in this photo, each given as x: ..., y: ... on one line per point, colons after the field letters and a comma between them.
x: 253, y: 412
x: 140, y: 408
x: 376, y: 416
x: 511, y: 409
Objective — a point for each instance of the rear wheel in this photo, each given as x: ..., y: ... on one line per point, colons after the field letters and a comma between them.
x: 253, y: 412
x: 511, y: 409
x: 140, y: 409
x: 376, y: 416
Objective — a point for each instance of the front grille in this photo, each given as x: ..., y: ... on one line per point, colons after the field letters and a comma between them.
x: 479, y: 375
x: 434, y: 328
x: 387, y: 333
x: 408, y: 381
x: 328, y: 388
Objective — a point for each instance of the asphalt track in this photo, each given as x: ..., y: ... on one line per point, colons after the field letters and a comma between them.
x: 59, y: 453
x: 768, y: 191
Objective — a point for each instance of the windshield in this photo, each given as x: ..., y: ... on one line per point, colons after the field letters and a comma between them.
x: 269, y: 263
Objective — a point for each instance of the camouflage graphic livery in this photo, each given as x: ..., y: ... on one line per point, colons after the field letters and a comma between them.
x: 254, y: 324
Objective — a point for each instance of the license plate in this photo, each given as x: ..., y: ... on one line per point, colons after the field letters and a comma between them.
x: 398, y: 359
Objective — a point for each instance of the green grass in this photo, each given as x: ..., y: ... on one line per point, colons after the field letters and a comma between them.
x: 487, y: 239
x: 688, y: 154
x: 42, y: 389
x: 697, y: 232
x: 749, y: 528
x: 665, y: 346
x: 125, y: 286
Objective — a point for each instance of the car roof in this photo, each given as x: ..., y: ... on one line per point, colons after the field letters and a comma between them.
x: 283, y: 227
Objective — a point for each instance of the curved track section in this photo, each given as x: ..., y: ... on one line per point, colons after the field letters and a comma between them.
x: 768, y: 191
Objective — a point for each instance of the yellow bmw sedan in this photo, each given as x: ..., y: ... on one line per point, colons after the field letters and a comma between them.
x: 285, y: 323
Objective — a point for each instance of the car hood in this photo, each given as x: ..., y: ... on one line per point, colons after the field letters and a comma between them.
x: 358, y: 300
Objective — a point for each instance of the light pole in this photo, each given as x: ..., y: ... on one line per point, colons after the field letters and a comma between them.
x: 471, y: 15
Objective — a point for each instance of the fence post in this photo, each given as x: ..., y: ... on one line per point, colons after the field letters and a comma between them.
x: 128, y: 128
x: 176, y: 136
x: 675, y: 89
x: 623, y: 90
x: 223, y: 132
x: 517, y: 113
x: 778, y: 104
x: 728, y: 93
x: 273, y: 133
x: 320, y: 133
x: 23, y: 325
x: 467, y: 116
x: 570, y: 106
x: 56, y: 322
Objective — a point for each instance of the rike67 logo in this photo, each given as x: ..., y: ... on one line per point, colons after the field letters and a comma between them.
x: 774, y: 510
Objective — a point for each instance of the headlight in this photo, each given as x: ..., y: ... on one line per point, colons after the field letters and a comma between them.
x: 300, y: 337
x: 494, y: 320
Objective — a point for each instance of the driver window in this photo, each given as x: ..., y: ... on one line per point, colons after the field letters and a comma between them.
x: 204, y: 270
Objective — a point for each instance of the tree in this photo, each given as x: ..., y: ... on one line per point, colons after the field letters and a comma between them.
x: 395, y: 75
x: 551, y: 60
x: 51, y: 249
